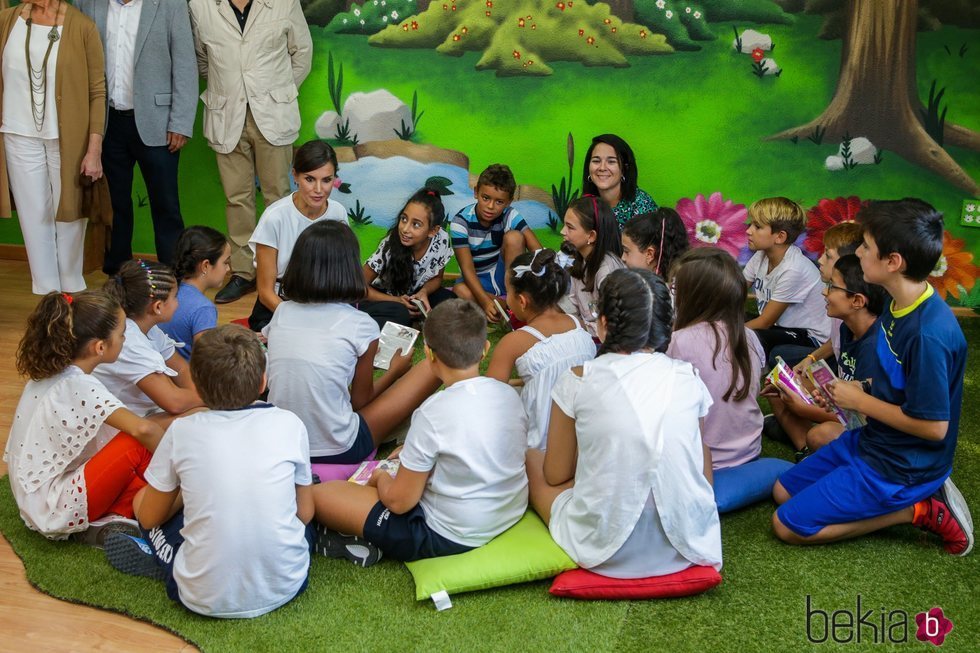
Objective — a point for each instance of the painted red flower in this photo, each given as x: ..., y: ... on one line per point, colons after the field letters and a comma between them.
x: 933, y: 626
x: 643, y: 33
x: 955, y: 268
x: 581, y: 32
x: 758, y: 55
x: 415, y: 24
x: 517, y: 55
x: 606, y: 21
x: 405, y: 27
x: 561, y: 5
x: 714, y: 222
x: 825, y: 215
x: 590, y: 40
x: 465, y: 30
x: 520, y: 22
x: 614, y: 30
x: 455, y: 37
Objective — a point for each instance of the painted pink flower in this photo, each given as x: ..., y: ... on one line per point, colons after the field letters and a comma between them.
x: 826, y: 214
x: 933, y: 626
x: 714, y: 222
x: 337, y: 182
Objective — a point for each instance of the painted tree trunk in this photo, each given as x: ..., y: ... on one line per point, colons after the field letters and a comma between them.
x: 876, y: 95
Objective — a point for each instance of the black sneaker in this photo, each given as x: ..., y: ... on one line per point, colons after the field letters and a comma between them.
x: 772, y: 429
x: 337, y: 545
x: 801, y: 454
x: 133, y: 556
x: 236, y: 288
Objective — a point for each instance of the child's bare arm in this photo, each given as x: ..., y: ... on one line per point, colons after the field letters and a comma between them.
x: 531, y: 240
x: 183, y: 379
x: 146, y: 432
x: 559, y: 459
x: 466, y: 268
x: 511, y: 347
x: 153, y: 507
x: 849, y: 395
x: 304, y: 503
x: 402, y: 493
x: 770, y: 314
x: 167, y: 395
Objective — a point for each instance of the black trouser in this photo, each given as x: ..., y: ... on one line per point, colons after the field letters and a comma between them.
x: 395, y: 311
x: 776, y: 336
x: 122, y: 149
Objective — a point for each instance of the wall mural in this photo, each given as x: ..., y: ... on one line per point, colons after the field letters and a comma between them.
x: 828, y: 102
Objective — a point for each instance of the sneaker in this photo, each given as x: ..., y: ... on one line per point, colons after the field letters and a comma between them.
x: 337, y: 545
x: 133, y: 556
x: 948, y: 516
x: 801, y: 454
x: 772, y: 429
x: 99, y: 530
x: 236, y: 288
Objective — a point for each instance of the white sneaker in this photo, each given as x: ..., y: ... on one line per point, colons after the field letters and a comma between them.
x: 98, y: 530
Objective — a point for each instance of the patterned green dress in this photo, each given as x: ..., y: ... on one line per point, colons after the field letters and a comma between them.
x: 625, y: 211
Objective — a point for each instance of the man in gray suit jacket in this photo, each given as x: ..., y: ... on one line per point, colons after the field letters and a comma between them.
x: 151, y: 88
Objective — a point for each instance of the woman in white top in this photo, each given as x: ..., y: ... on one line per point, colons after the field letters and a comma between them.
x: 625, y: 484
x: 69, y: 464
x: 149, y: 374
x: 314, y: 170
x: 592, y: 237
x: 321, y: 352
x: 52, y: 96
x: 547, y: 346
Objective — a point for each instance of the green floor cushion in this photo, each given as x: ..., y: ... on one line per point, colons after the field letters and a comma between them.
x: 523, y: 553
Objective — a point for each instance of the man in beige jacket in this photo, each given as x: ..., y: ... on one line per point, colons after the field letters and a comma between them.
x: 254, y: 55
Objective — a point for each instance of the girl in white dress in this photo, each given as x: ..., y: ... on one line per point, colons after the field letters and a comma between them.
x: 547, y: 346
x: 625, y: 484
x: 75, y: 453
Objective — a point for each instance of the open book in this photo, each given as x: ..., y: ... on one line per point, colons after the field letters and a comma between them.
x: 783, y: 372
x: 394, y: 337
x: 363, y: 473
x: 821, y: 376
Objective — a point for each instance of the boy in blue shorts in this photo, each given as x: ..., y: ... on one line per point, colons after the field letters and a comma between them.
x: 894, y: 470
x: 487, y: 236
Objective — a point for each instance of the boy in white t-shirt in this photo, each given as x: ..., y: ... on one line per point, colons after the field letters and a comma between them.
x: 786, y: 283
x: 462, y: 480
x: 226, y: 512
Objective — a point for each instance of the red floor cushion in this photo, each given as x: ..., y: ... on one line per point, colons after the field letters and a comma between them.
x: 584, y: 584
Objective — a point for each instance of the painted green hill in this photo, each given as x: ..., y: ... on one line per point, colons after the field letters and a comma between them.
x: 520, y: 37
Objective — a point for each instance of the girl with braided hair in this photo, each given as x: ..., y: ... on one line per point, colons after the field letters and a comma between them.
x: 625, y: 484
x: 409, y: 263
x: 653, y: 241
x: 592, y: 238
x: 76, y: 455
x: 549, y: 344
x: 202, y: 260
x: 149, y: 374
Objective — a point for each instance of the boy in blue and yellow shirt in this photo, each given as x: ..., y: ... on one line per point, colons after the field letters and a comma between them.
x: 896, y: 469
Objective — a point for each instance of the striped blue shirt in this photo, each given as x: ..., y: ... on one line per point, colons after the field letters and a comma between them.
x: 484, y: 242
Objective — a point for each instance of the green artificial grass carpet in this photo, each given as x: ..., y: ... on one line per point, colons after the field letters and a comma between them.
x: 760, y: 606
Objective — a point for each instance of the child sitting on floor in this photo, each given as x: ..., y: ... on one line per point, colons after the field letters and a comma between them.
x: 592, y: 234
x: 487, y: 236
x: 710, y: 334
x: 314, y: 171
x: 896, y: 469
x: 149, y: 375
x: 322, y: 349
x: 786, y: 283
x: 226, y: 514
x: 625, y: 484
x: 461, y: 481
x: 75, y: 453
x: 856, y: 305
x: 547, y: 346
x: 201, y: 262
x: 409, y: 263
x: 653, y: 241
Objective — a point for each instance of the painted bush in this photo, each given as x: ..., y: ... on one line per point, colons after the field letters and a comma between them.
x: 521, y: 38
x: 683, y: 23
x: 372, y: 16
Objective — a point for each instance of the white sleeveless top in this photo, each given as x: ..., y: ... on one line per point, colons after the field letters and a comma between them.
x: 17, y: 115
x: 540, y: 366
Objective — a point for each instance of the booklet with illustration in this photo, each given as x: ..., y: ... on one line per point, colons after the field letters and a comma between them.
x: 821, y: 376
x: 783, y: 372
x: 363, y: 473
x: 394, y: 337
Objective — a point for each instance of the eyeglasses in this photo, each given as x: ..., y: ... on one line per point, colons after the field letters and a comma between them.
x: 830, y: 286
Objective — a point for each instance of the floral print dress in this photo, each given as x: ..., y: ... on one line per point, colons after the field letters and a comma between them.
x: 626, y: 211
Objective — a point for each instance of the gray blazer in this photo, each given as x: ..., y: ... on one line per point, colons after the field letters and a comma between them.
x: 165, y: 76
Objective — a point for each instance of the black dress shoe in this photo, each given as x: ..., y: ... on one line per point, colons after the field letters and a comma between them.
x: 235, y: 289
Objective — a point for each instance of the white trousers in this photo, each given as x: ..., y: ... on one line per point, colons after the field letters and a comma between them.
x: 54, y: 249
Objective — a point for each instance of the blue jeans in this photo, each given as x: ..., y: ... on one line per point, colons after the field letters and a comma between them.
x: 737, y: 487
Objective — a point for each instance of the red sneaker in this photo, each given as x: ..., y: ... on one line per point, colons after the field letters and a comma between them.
x: 948, y: 516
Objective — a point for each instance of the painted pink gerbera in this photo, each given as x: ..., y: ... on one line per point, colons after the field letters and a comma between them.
x: 825, y: 215
x: 714, y: 222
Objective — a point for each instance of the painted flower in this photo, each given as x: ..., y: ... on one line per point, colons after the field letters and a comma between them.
x: 357, y: 11
x: 561, y: 6
x: 613, y: 30
x: 394, y: 15
x: 581, y: 32
x: 643, y: 33
x: 714, y: 222
x: 970, y: 208
x: 697, y: 14
x: 661, y: 4
x: 517, y: 55
x: 758, y: 55
x: 606, y: 21
x: 687, y: 10
x: 825, y: 215
x: 465, y: 30
x: 954, y: 269
x: 590, y: 40
x: 520, y: 22
x: 455, y: 37
x: 384, y: 19
x: 415, y: 24
x: 668, y: 14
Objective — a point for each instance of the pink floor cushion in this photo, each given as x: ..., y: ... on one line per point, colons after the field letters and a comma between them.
x: 584, y: 584
x: 338, y: 472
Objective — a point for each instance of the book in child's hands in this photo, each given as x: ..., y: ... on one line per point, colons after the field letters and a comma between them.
x: 363, y: 473
x: 783, y: 372
x: 821, y: 376
x: 504, y: 316
x: 394, y: 337
x: 420, y: 305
